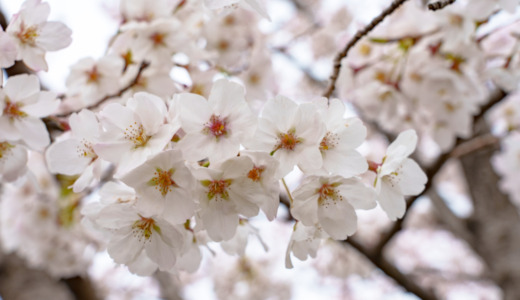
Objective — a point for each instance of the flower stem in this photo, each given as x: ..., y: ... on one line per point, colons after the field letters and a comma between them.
x: 287, y: 190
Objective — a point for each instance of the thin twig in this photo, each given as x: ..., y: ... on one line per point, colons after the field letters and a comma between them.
x: 359, y: 35
x: 133, y: 83
x: 440, y: 4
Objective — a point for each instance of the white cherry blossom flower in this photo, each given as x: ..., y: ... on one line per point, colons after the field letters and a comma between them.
x: 133, y: 233
x: 260, y: 180
x: 222, y: 198
x: 34, y: 35
x: 305, y: 241
x: 75, y: 154
x: 399, y: 176
x: 93, y: 80
x: 215, y: 128
x: 164, y: 185
x: 291, y: 133
x: 331, y: 203
x: 22, y: 104
x: 341, y: 139
x: 134, y: 132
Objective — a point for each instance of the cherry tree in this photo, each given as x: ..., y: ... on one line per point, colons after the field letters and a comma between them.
x: 380, y: 152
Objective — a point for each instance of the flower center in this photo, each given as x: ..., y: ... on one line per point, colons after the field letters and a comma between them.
x: 157, y: 39
x: 12, y: 110
x: 28, y: 35
x: 327, y: 192
x: 329, y: 141
x: 135, y: 134
x: 143, y: 228
x: 287, y: 141
x: 93, y: 75
x: 163, y: 181
x: 86, y: 150
x: 255, y: 173
x: 217, y: 188
x: 5, y: 149
x: 216, y: 126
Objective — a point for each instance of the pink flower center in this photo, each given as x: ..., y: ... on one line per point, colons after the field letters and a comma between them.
x: 12, y: 110
x: 216, y: 126
x: 28, y: 35
x: 163, y: 181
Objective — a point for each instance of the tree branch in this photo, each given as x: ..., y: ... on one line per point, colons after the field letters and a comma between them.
x: 440, y: 4
x: 359, y: 35
x: 434, y: 169
x: 391, y: 271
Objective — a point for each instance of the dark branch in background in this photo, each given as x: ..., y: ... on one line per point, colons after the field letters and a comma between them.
x: 391, y: 271
x: 432, y: 170
x: 440, y: 4
x: 359, y: 35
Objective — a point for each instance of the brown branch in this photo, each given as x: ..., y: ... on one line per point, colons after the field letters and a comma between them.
x: 440, y: 4
x: 434, y: 169
x: 133, y: 83
x: 359, y: 35
x: 391, y: 271
x: 81, y: 287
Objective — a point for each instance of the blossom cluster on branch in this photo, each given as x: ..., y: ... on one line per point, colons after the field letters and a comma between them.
x: 154, y: 166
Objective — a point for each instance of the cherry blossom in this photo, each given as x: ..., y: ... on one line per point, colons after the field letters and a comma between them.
x: 331, y: 203
x: 22, y: 105
x: 398, y: 175
x: 164, y: 185
x: 291, y: 133
x: 134, y: 132
x: 34, y: 35
x: 74, y: 154
x: 215, y: 128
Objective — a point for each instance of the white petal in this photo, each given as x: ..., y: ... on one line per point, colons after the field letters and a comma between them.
x: 412, y: 178
x: 391, y: 201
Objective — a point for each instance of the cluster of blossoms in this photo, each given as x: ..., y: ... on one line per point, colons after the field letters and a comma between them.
x: 191, y: 163
x: 427, y: 70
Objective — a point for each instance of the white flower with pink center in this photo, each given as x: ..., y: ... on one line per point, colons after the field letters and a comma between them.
x: 93, y: 80
x: 291, y: 133
x: 134, y: 132
x: 137, y: 240
x: 331, y: 202
x: 34, y: 35
x: 261, y: 181
x: 223, y: 198
x: 215, y: 128
x: 22, y: 104
x: 164, y: 185
x: 398, y: 175
x: 74, y: 154
x: 338, y: 146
